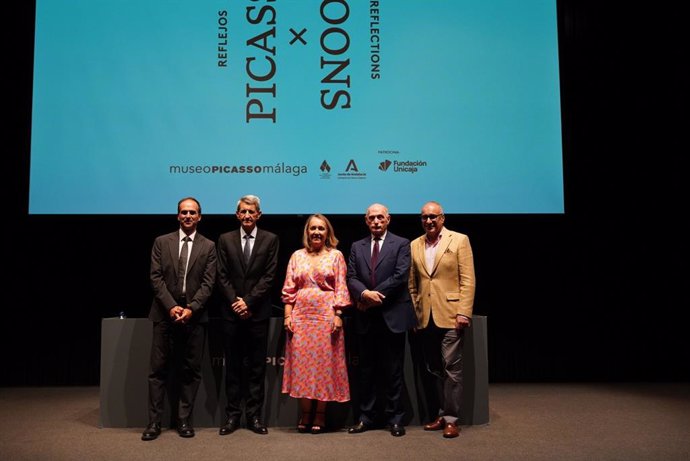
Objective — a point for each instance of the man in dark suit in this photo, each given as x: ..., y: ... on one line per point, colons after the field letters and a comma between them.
x: 183, y: 273
x: 377, y: 276
x: 247, y: 262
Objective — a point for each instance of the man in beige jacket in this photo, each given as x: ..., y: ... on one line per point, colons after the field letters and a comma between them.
x: 442, y: 287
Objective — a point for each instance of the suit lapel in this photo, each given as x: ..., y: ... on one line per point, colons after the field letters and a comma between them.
x: 441, y: 250
x: 196, y: 248
x: 386, y: 249
x: 419, y: 254
x: 174, y: 249
x: 258, y: 241
x: 366, y: 250
x: 236, y: 246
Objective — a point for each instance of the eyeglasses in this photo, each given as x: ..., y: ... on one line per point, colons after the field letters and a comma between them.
x: 432, y: 217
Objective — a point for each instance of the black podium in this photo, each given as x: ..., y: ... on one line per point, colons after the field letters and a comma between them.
x: 126, y: 345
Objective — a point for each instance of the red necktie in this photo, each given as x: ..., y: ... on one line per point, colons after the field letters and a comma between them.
x: 374, y: 261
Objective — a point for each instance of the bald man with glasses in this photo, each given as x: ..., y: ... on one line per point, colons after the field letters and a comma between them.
x: 442, y: 286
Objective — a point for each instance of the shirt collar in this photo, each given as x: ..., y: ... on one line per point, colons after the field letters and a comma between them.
x: 252, y: 233
x: 382, y: 238
x: 182, y: 235
x: 438, y: 239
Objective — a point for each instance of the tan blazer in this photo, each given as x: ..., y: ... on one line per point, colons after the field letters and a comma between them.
x: 447, y: 289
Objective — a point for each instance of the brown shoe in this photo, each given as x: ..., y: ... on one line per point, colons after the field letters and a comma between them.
x: 451, y: 431
x: 435, y: 425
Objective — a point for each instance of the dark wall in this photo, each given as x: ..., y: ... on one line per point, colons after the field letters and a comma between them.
x: 594, y: 294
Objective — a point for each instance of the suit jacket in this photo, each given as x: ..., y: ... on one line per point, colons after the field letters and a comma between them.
x: 251, y: 282
x: 201, y: 276
x: 447, y: 289
x: 392, y: 272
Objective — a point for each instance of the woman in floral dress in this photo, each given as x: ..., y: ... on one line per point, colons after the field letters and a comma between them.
x: 314, y: 293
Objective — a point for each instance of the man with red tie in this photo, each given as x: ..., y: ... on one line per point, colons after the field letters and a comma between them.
x: 377, y: 276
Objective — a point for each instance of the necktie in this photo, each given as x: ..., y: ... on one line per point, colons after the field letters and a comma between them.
x: 247, y: 248
x: 182, y: 264
x: 374, y: 261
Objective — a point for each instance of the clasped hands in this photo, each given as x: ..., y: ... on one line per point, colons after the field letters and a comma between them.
x: 369, y: 299
x: 180, y: 314
x: 240, y: 308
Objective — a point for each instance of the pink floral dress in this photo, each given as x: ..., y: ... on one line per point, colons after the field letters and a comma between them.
x: 314, y: 357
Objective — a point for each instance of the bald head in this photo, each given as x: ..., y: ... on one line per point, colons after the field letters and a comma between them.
x: 377, y: 219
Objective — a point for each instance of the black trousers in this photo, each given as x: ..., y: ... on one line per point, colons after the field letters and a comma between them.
x: 177, y: 351
x: 245, y: 341
x: 381, y: 361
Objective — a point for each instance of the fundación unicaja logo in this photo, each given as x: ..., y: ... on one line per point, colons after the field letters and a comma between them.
x: 325, y: 170
x: 403, y: 166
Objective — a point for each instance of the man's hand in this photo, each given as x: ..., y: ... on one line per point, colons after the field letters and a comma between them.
x: 185, y: 316
x: 370, y: 298
x: 461, y: 322
x: 180, y: 314
x: 176, y: 312
x: 240, y: 308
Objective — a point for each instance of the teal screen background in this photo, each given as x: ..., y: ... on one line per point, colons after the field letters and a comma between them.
x: 454, y: 101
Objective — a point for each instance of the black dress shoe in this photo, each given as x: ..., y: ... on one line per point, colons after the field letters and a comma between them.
x: 258, y: 427
x: 152, y: 431
x: 358, y: 428
x: 230, y: 426
x: 397, y: 430
x: 185, y: 429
